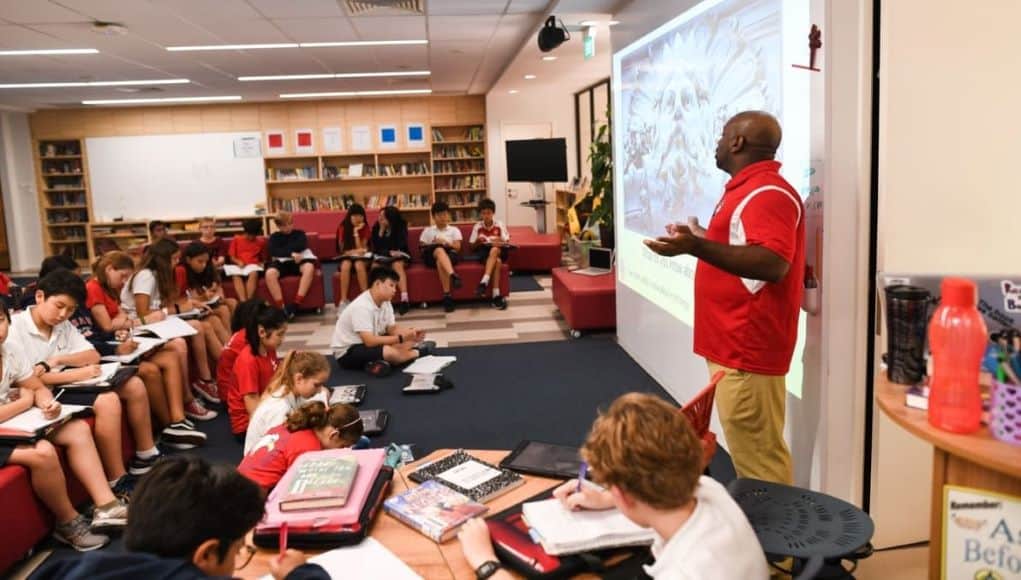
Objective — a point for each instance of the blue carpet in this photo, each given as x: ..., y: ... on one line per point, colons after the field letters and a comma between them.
x: 524, y: 283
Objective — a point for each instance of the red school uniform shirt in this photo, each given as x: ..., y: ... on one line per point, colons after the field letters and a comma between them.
x: 364, y: 234
x: 752, y: 325
x: 252, y: 373
x: 94, y: 294
x: 275, y: 453
x: 248, y: 251
x: 217, y: 247
x: 181, y: 278
x: 225, y: 366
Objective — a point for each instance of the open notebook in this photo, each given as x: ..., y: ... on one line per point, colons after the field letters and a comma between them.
x: 562, y: 531
x: 368, y: 560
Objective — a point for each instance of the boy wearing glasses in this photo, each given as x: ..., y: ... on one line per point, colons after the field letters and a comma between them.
x: 191, y: 522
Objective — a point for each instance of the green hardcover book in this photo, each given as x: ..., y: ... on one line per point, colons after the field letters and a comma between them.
x: 320, y: 483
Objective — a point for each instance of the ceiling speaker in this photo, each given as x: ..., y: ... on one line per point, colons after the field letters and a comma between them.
x: 551, y: 35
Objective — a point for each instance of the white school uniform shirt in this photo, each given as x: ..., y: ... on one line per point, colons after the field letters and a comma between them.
x: 362, y: 315
x: 64, y: 338
x: 716, y: 542
x: 273, y: 411
x: 480, y: 227
x: 16, y: 369
x: 450, y: 233
x: 143, y: 282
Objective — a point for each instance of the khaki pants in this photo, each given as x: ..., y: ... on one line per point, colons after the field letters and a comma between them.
x: 752, y: 409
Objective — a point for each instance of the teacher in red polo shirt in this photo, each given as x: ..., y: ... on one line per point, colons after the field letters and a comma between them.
x: 748, y: 287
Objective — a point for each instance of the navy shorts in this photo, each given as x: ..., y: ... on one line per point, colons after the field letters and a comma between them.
x: 289, y: 268
x: 359, y: 355
x: 430, y: 259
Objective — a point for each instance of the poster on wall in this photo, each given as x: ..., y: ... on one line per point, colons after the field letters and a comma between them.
x: 980, y: 534
x: 303, y: 142
x: 388, y: 136
x: 361, y: 138
x: 245, y: 147
x: 332, y: 142
x: 276, y: 144
x: 416, y: 135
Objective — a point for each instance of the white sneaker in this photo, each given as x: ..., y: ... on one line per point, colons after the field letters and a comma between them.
x: 111, y: 518
x: 76, y: 533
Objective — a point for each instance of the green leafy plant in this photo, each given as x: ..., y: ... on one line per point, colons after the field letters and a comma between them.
x: 601, y: 158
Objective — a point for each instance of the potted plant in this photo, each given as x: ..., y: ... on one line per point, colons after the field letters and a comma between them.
x: 601, y: 195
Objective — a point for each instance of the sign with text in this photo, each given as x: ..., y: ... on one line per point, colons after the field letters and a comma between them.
x: 981, y: 534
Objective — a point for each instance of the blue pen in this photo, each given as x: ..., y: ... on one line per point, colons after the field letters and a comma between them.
x: 581, y: 475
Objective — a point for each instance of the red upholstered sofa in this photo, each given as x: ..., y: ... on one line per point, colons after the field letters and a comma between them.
x: 324, y: 224
x: 23, y: 518
x: 424, y: 284
x: 316, y: 297
x: 586, y: 302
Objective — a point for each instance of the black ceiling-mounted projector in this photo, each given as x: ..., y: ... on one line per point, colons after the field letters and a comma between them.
x: 551, y: 35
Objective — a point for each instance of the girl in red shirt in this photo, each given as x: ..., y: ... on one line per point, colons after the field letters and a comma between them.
x: 225, y: 367
x: 312, y: 427
x: 352, y: 246
x: 255, y: 365
x: 196, y: 277
x: 246, y: 250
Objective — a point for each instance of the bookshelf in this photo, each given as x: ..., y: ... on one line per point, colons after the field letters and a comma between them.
x: 64, y: 200
x: 459, y: 168
x: 131, y: 236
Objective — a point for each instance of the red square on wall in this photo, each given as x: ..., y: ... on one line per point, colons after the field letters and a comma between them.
x: 275, y: 140
x: 304, y: 139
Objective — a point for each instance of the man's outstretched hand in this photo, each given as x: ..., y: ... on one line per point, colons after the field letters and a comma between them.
x: 679, y: 240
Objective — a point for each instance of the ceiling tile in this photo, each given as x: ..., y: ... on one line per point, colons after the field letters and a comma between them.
x: 581, y: 6
x: 298, y: 8
x: 479, y: 28
x: 317, y: 29
x: 519, y: 6
x: 202, y: 10
x: 19, y: 37
x: 395, y: 28
x: 37, y: 12
x: 463, y: 8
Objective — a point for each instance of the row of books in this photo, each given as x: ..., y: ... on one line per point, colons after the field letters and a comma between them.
x: 471, y: 134
x: 61, y: 166
x: 65, y: 183
x: 314, y: 203
x: 58, y: 199
x: 463, y: 182
x: 460, y: 166
x: 54, y: 149
x: 68, y: 216
x: 68, y: 234
x: 464, y: 215
x: 287, y: 173
x: 464, y: 198
x: 352, y: 170
x: 139, y: 230
x: 458, y: 151
x: 407, y: 200
x: 416, y: 168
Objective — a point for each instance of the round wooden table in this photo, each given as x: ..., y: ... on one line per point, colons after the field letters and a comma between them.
x: 977, y: 460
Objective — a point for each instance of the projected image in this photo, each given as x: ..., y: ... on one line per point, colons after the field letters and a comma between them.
x: 677, y: 91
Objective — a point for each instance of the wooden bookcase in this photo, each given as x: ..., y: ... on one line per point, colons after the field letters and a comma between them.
x: 459, y: 169
x: 65, y: 204
x: 131, y: 236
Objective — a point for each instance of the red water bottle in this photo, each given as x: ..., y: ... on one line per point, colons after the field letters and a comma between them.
x: 957, y: 340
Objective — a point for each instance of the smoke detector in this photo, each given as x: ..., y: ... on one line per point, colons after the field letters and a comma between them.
x: 109, y: 28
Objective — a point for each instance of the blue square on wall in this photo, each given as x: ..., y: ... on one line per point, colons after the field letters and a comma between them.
x: 388, y: 135
x: 415, y: 134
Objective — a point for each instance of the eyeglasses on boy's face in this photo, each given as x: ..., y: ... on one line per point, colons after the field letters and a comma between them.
x: 244, y: 555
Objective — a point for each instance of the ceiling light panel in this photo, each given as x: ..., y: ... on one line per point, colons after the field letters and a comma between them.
x: 365, y: 75
x: 60, y: 85
x: 48, y: 52
x: 162, y: 100
x: 377, y: 93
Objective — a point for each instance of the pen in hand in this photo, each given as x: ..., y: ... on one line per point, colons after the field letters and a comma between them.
x: 581, y: 475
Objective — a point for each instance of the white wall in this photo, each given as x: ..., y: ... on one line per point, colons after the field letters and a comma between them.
x: 21, y: 201
x: 949, y: 137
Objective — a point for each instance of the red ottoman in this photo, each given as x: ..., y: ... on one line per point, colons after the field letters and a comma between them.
x: 535, y: 252
x: 586, y: 302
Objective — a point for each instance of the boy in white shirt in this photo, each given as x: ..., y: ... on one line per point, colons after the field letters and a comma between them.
x: 489, y: 240
x: 367, y: 336
x: 440, y: 244
x: 647, y: 457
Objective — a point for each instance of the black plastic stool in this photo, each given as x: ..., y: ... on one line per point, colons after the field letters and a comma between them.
x: 814, y: 529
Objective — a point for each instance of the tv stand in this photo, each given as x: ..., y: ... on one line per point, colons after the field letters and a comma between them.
x: 538, y: 203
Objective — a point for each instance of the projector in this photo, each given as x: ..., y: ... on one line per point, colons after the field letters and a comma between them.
x: 551, y: 35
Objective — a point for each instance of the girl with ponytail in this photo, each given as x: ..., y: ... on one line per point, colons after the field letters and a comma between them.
x: 311, y: 427
x: 255, y: 365
x: 300, y: 378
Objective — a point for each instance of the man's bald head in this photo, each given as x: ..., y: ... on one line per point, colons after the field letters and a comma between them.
x: 748, y: 137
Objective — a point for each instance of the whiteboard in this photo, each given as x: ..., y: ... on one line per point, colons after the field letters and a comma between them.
x: 172, y: 176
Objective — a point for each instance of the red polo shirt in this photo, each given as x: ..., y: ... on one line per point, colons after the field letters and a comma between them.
x: 252, y: 373
x: 278, y: 449
x: 746, y: 324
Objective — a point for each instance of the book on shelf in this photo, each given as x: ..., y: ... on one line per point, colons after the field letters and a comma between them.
x: 31, y: 425
x: 434, y: 509
x: 457, y: 151
x: 563, y: 531
x: 459, y: 166
x: 290, y: 173
x: 437, y: 135
x: 474, y: 134
x: 320, y: 482
x: 469, y: 475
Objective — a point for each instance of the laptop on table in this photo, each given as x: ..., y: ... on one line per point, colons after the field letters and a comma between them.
x: 600, y: 262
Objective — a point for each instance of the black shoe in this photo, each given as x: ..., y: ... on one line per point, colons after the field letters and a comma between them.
x: 426, y: 348
x: 378, y: 368
x: 403, y: 307
x: 499, y: 302
x: 448, y: 304
x: 139, y: 466
x: 291, y: 311
x: 481, y: 290
x: 455, y: 281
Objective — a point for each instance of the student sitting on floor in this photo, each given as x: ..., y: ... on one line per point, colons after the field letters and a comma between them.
x: 160, y: 369
x: 150, y: 295
x: 311, y: 427
x: 300, y: 378
x: 289, y: 256
x: 218, y: 247
x: 389, y: 246
x: 190, y: 520
x: 645, y: 454
x: 225, y: 366
x: 352, y: 247
x: 255, y: 366
x: 20, y: 390
x: 489, y: 239
x: 196, y: 277
x: 46, y: 337
x: 441, y: 243
x: 366, y: 335
x: 247, y: 249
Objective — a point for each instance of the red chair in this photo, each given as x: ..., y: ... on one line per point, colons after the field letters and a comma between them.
x: 699, y: 411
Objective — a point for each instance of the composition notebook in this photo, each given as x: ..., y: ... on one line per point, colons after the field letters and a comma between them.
x: 562, y: 531
x: 469, y: 475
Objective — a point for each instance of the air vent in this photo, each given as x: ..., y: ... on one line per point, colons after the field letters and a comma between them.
x: 384, y: 7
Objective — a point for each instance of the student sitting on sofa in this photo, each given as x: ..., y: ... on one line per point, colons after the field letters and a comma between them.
x: 189, y: 520
x: 367, y: 336
x: 352, y: 252
x: 441, y: 244
x: 648, y: 460
x: 389, y: 246
x: 489, y: 241
x: 289, y: 256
